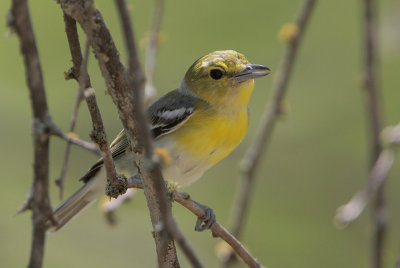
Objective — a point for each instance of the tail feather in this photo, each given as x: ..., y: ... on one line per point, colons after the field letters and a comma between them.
x: 81, y: 199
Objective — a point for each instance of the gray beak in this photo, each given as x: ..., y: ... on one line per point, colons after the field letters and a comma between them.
x: 251, y: 71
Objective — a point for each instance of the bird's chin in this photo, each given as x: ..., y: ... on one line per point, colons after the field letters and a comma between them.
x: 241, y: 83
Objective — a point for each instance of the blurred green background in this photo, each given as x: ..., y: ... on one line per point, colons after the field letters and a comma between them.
x: 317, y: 159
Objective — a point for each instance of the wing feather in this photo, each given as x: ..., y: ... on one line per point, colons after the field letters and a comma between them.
x: 166, y: 115
x: 170, y: 112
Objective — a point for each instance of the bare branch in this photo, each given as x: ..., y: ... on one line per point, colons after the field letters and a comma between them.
x: 19, y: 19
x: 353, y: 209
x: 61, y: 179
x: 75, y: 49
x: 116, y: 184
x: 370, y: 83
x: 154, y: 186
x: 252, y: 157
x: 372, y: 104
x: 90, y: 146
x: 151, y: 48
x: 179, y: 237
x: 217, y: 229
x: 136, y: 182
x: 380, y: 171
x: 126, y: 93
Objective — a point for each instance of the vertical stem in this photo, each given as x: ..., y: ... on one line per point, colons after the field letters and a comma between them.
x: 154, y: 186
x: 151, y: 48
x: 40, y: 203
x: 374, y: 117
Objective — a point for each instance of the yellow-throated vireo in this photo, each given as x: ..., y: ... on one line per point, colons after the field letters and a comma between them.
x: 198, y: 124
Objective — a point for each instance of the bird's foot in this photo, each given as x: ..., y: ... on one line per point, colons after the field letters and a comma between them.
x: 206, y: 222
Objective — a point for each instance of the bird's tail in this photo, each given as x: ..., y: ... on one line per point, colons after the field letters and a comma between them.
x: 81, y: 199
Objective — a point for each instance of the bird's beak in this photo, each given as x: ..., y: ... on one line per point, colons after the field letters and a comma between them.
x: 251, y: 71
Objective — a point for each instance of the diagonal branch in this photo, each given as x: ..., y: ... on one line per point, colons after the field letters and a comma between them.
x: 90, y: 146
x: 75, y: 49
x: 379, y: 173
x: 217, y: 229
x: 116, y: 185
x: 19, y: 19
x: 252, y: 158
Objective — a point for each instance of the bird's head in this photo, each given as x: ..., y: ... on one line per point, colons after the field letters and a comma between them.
x: 222, y: 74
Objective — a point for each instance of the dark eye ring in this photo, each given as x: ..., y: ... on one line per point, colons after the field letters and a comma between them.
x: 216, y: 74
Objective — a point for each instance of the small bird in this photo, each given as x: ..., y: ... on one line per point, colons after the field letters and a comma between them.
x: 198, y: 124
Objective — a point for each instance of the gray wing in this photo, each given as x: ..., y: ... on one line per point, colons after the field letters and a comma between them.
x: 165, y: 115
x: 170, y: 112
x: 118, y: 147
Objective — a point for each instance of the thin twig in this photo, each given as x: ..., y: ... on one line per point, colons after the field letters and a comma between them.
x: 60, y: 181
x: 154, y: 186
x: 374, y: 119
x: 75, y: 49
x: 151, y: 48
x: 116, y: 184
x: 252, y: 158
x: 217, y: 229
x: 353, y: 209
x: 90, y: 146
x: 371, y: 80
x: 380, y: 171
x: 19, y: 19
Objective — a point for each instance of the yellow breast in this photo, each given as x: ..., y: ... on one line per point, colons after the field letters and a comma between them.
x: 214, y: 139
x: 213, y: 133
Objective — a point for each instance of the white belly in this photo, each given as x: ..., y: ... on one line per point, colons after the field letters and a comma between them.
x: 183, y: 170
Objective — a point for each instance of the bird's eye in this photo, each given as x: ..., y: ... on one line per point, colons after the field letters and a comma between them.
x: 216, y: 74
